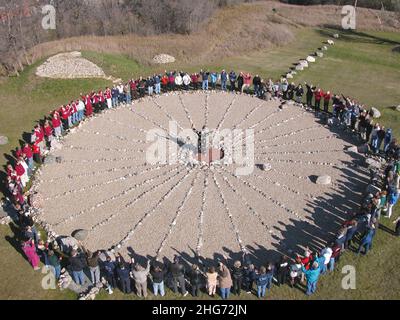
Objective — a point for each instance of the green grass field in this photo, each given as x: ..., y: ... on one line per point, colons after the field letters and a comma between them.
x: 360, y: 65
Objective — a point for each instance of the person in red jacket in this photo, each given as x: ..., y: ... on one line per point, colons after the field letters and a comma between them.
x: 88, y: 106
x: 327, y: 99
x: 64, y: 117
x: 21, y: 170
x: 164, y: 82
x: 48, y: 133
x: 318, y: 94
x: 37, y: 155
x: 96, y: 103
x: 56, y: 123
x: 27, y: 153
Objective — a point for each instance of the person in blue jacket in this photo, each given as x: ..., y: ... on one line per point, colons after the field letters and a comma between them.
x: 366, y: 242
x: 312, y: 276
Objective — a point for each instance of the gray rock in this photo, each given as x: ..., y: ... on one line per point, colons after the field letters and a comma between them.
x: 49, y: 159
x: 319, y: 54
x: 68, y: 243
x: 299, y: 67
x: 3, y: 140
x: 80, y: 234
x: 376, y: 112
x: 353, y: 149
x: 324, y: 180
x: 266, y: 167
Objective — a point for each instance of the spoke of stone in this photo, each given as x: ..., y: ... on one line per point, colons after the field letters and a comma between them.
x: 290, y: 134
x: 100, y: 160
x: 114, y: 136
x: 178, y: 214
x: 150, y: 212
x: 278, y: 184
x: 264, y: 195
x: 264, y: 119
x: 246, y: 203
x: 185, y: 110
x: 289, y: 174
x: 226, y: 113
x: 283, y: 122
x: 104, y: 202
x: 229, y: 214
x: 97, y: 185
x: 126, y: 126
x: 206, y: 107
x: 105, y: 149
x: 200, y: 225
x: 95, y: 173
x: 298, y: 142
x: 302, y: 152
x: 149, y: 120
x: 314, y: 163
x: 132, y: 203
x: 166, y: 113
x: 248, y: 115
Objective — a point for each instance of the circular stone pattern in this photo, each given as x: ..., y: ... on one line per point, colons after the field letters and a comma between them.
x: 105, y: 184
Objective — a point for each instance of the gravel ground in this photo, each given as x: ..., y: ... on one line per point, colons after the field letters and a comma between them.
x: 105, y: 185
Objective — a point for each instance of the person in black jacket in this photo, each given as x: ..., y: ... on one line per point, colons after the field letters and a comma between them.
x: 282, y: 270
x: 158, y: 273
x: 250, y: 277
x: 77, y: 265
x: 195, y: 279
x: 257, y: 85
x: 123, y: 275
x: 309, y: 94
x: 237, y: 277
x: 177, y: 271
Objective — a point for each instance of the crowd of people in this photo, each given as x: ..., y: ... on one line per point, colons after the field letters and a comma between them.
x: 300, y: 271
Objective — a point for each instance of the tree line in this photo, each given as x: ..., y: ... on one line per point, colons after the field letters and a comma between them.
x: 21, y: 22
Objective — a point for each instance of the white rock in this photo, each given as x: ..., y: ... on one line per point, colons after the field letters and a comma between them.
x: 3, y: 140
x: 336, y: 36
x: 310, y: 59
x: 324, y: 180
x: 324, y: 48
x: 377, y: 113
x: 289, y: 76
x: 304, y: 63
x: 398, y: 108
x: 299, y: 67
x: 353, y: 149
x: 319, y: 54
x: 331, y: 42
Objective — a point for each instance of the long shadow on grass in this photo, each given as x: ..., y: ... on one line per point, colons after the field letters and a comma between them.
x: 355, y: 36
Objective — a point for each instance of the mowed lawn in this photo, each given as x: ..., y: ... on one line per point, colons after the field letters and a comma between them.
x: 361, y: 65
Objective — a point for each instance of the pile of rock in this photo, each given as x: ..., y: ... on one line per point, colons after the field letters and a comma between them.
x: 163, y: 59
x: 69, y: 65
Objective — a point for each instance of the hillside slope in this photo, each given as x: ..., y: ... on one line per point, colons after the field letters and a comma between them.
x: 232, y: 31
